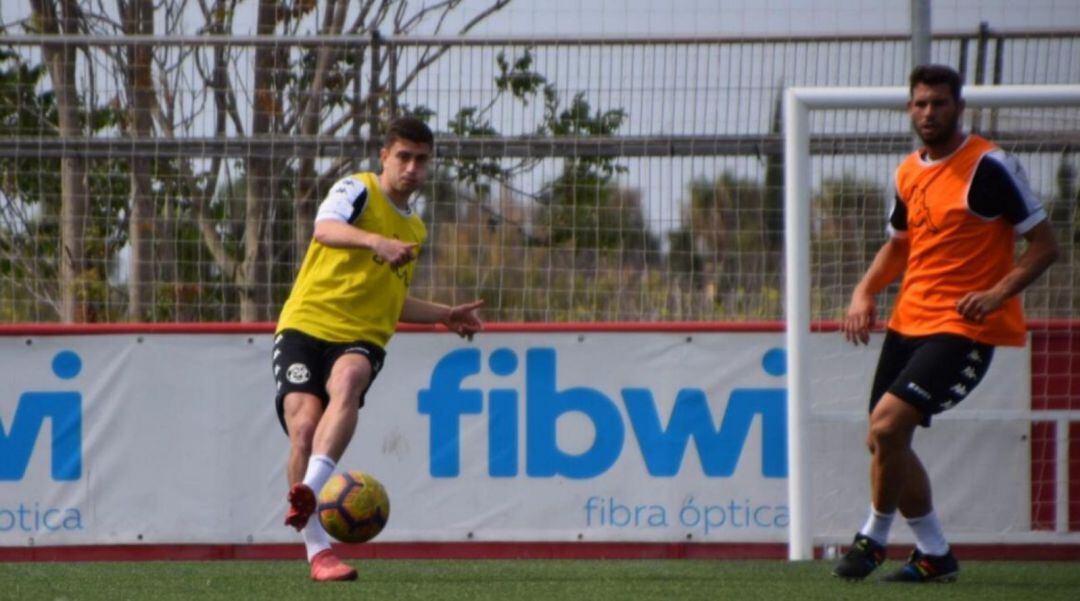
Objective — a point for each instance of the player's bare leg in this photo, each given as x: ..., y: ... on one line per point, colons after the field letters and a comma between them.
x: 892, y: 426
x: 348, y: 380
x: 895, y: 474
x: 302, y: 415
x: 915, y: 499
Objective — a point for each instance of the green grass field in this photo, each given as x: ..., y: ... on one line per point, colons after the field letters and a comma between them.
x: 559, y: 580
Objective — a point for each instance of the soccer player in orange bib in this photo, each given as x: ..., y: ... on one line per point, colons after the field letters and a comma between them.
x: 351, y: 292
x: 960, y: 202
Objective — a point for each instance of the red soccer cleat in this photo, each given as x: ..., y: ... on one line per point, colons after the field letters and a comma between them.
x: 301, y: 506
x: 326, y: 567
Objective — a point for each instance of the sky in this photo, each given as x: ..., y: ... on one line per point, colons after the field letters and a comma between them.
x: 570, y: 18
x: 728, y: 17
x: 752, y: 17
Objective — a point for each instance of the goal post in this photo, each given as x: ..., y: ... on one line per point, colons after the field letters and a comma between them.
x: 799, y: 102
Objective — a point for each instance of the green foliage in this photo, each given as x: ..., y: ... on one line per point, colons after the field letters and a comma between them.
x: 520, y: 80
x: 724, y: 249
x: 583, y: 205
x: 582, y: 217
x: 475, y: 172
x: 31, y: 188
x: 848, y: 228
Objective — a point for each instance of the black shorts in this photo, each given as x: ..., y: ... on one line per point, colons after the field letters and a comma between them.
x: 931, y: 373
x: 302, y: 363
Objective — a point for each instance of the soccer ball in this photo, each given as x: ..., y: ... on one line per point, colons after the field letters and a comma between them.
x: 353, y: 507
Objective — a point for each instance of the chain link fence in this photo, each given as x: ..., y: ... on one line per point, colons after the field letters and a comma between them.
x: 175, y: 178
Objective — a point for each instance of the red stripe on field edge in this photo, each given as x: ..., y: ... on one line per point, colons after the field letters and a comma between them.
x: 55, y: 329
x: 715, y: 551
x: 479, y: 550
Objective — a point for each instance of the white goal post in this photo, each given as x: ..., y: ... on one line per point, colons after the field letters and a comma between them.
x: 798, y: 103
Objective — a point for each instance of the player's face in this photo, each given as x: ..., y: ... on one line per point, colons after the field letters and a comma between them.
x: 935, y: 114
x: 405, y: 165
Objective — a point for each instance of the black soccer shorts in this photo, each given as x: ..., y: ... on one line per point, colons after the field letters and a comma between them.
x: 931, y: 373
x: 302, y: 363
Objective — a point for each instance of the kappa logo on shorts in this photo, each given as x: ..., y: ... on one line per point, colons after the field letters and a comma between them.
x: 912, y: 386
x: 298, y: 373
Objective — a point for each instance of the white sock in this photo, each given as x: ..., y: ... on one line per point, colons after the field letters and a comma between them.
x: 877, y: 526
x: 315, y: 537
x: 319, y: 470
x: 929, y: 537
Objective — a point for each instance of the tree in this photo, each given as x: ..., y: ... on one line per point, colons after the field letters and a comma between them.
x: 64, y: 17
x: 41, y: 239
x: 723, y: 253
x: 283, y: 92
x: 310, y: 96
x: 252, y: 215
x: 25, y: 180
x: 138, y: 19
x: 579, y: 226
x: 846, y: 232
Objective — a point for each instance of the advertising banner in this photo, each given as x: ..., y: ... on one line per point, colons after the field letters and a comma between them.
x: 517, y: 436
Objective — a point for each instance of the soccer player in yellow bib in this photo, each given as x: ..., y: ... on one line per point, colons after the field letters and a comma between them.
x: 351, y: 292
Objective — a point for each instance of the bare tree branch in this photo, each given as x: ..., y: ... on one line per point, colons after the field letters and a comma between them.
x: 360, y: 22
x: 423, y: 12
x: 426, y: 60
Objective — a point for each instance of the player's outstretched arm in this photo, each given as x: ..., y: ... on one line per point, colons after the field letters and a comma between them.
x: 888, y: 264
x: 461, y: 319
x: 1041, y: 252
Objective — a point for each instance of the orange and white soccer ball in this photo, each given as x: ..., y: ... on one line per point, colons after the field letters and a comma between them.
x: 353, y: 507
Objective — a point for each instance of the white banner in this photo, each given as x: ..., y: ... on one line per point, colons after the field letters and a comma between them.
x: 173, y: 438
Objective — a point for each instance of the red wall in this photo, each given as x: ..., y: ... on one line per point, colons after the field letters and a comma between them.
x: 1055, y: 385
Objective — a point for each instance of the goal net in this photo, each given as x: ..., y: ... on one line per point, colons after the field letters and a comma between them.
x: 1004, y: 462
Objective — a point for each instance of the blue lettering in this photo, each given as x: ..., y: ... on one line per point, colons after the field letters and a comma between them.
x: 663, y: 447
x: 502, y: 434
x: 609, y: 512
x: 73, y: 519
x: 26, y: 518
x: 758, y: 521
x: 544, y: 458
x: 45, y: 519
x: 503, y: 419
x: 65, y: 411
x: 445, y: 401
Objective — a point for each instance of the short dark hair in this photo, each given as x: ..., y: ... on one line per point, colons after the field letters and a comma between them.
x: 935, y: 75
x: 408, y: 128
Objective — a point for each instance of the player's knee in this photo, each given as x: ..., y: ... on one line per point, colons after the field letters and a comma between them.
x: 348, y: 381
x: 885, y: 436
x: 301, y: 434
